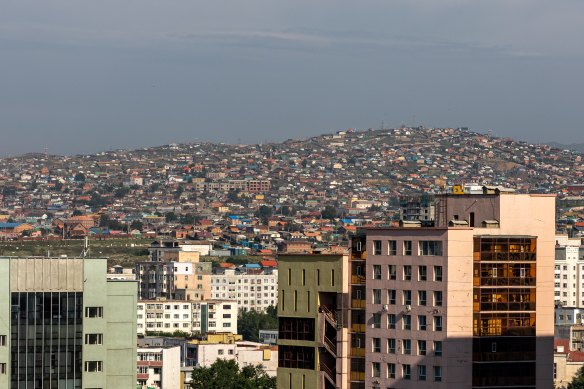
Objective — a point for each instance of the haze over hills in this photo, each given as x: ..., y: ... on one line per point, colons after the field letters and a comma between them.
x: 573, y: 146
x: 371, y: 164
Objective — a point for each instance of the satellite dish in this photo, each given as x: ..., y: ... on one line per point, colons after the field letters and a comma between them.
x: 44, y: 217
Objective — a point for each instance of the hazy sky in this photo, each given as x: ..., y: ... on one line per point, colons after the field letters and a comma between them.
x: 85, y: 75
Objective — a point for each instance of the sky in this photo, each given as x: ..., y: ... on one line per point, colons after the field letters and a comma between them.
x: 81, y: 76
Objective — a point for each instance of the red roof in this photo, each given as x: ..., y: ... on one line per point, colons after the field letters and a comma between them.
x: 268, y: 263
x: 226, y: 265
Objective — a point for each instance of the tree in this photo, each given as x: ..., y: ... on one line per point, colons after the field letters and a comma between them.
x: 329, y: 212
x: 137, y: 225
x: 264, y: 211
x: 249, y: 323
x: 224, y: 374
x: 170, y: 217
x: 578, y: 380
x: 77, y: 213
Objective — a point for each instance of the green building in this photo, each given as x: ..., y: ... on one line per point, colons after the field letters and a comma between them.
x: 313, y: 321
x: 64, y: 325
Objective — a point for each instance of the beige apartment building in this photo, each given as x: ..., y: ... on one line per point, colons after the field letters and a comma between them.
x: 174, y: 272
x: 468, y: 303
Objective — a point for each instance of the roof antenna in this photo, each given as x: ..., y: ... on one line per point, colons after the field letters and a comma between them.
x: 85, y: 251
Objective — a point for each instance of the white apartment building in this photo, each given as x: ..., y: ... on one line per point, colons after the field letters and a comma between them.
x: 569, y: 272
x: 255, y: 289
x: 159, y: 367
x: 195, y: 317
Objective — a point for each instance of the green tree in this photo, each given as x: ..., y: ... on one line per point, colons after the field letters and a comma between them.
x: 578, y: 380
x: 224, y: 374
x: 329, y: 212
x: 79, y: 177
x: 137, y: 225
x: 77, y: 212
x: 249, y: 323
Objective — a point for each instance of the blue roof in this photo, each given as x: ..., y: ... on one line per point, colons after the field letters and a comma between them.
x: 252, y: 265
x: 9, y: 225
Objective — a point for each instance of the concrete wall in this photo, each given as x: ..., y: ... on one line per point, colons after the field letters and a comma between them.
x: 5, y: 304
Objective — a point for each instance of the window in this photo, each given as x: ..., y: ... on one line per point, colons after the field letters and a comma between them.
x: 430, y: 247
x: 438, y: 349
x: 437, y: 323
x: 437, y: 373
x: 407, y: 322
x: 376, y: 296
x: 407, y: 247
x: 422, y: 273
x: 407, y: 297
x: 392, y: 272
x: 303, y: 276
x: 407, y: 346
x: 220, y: 352
x: 391, y: 370
x: 407, y: 372
x: 421, y: 347
x: 376, y: 247
x: 437, y: 273
x: 2, y: 340
x: 391, y: 345
x: 376, y: 320
x: 2, y: 368
x: 376, y: 272
x: 422, y: 297
x: 407, y: 273
x: 437, y: 298
x: 391, y: 321
x: 376, y: 345
x: 93, y: 339
x: 391, y: 294
x: 376, y: 366
x: 422, y: 322
x: 392, y: 247
x: 93, y: 312
x: 422, y: 372
x: 93, y: 366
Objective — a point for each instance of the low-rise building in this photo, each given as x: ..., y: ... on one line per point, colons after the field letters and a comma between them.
x: 158, y: 367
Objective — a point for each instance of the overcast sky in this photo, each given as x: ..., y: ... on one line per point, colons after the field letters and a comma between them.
x: 81, y: 76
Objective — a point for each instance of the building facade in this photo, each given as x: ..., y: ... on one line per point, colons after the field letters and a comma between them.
x: 424, y: 325
x: 253, y: 289
x: 569, y: 272
x: 158, y: 367
x: 65, y: 325
x: 313, y: 320
x: 200, y: 317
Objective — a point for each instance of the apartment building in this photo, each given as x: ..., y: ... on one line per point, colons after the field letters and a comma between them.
x: 253, y: 288
x: 65, y: 325
x: 158, y: 367
x: 194, y: 317
x: 569, y: 272
x: 313, y: 320
x: 467, y: 303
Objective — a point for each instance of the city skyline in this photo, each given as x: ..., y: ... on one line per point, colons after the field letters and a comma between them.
x: 82, y: 78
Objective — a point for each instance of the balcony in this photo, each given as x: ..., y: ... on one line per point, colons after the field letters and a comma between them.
x: 358, y: 328
x: 358, y: 303
x: 355, y: 279
x: 357, y: 351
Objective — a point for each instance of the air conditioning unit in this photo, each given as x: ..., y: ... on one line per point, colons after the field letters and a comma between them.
x: 384, y: 308
x: 408, y: 308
